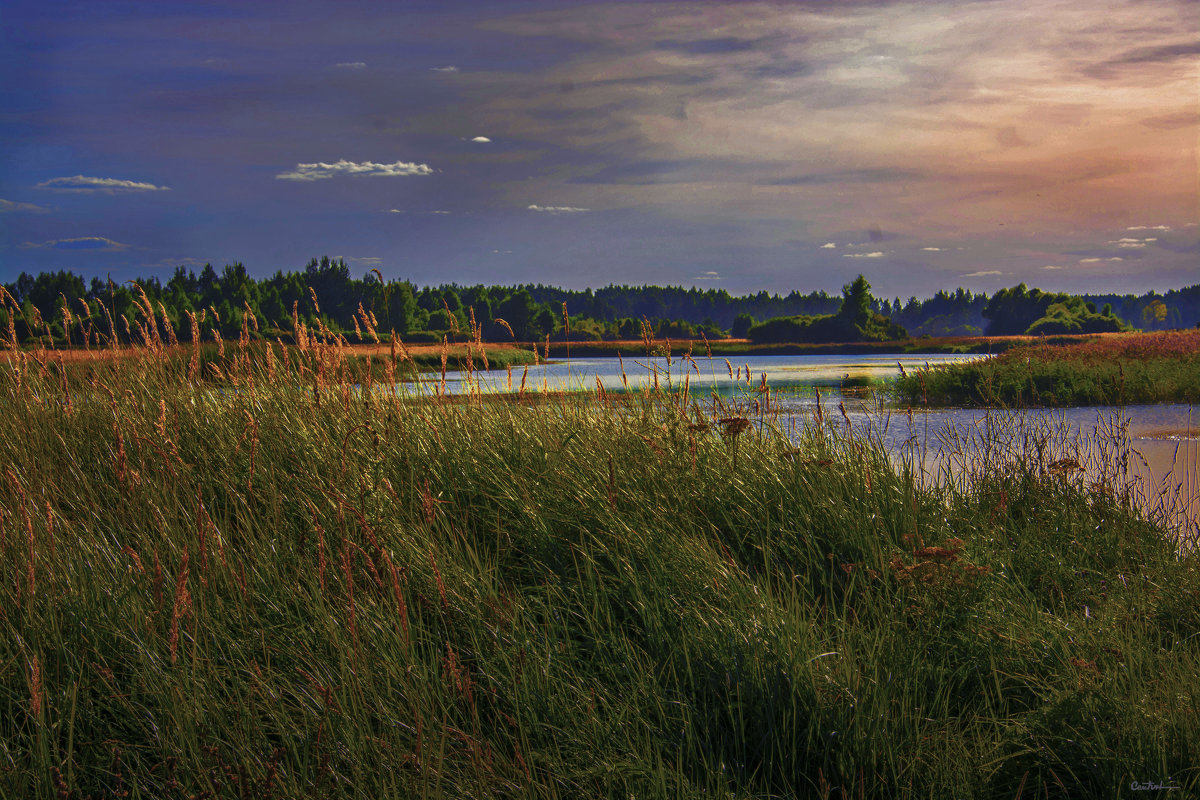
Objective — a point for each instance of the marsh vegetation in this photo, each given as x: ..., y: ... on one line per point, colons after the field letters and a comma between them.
x: 279, y: 578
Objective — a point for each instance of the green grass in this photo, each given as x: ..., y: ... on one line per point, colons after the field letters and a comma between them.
x: 276, y: 586
x: 1117, y: 370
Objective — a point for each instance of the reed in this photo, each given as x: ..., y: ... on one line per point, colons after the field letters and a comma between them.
x: 291, y: 587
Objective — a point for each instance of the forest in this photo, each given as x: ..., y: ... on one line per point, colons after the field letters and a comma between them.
x: 325, y: 293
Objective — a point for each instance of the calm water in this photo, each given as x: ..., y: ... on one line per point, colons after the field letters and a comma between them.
x: 1155, y: 449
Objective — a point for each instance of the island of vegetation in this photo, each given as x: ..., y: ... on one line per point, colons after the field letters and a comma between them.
x: 1109, y: 370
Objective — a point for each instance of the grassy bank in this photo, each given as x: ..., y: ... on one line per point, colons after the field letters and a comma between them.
x: 1113, y: 369
x: 287, y: 588
x: 743, y: 347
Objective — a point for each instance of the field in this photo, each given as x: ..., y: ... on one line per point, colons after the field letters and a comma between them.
x: 279, y: 582
x: 1110, y: 369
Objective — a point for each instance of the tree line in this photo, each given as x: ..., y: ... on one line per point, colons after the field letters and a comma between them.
x: 325, y: 294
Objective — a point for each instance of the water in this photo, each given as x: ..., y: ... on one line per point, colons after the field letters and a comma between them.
x: 1152, y: 451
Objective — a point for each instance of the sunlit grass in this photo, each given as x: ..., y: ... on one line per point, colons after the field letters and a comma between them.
x: 1108, y: 370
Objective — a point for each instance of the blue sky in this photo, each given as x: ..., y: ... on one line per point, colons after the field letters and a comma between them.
x: 745, y: 145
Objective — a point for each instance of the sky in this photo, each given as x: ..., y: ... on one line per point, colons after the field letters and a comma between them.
x: 740, y: 145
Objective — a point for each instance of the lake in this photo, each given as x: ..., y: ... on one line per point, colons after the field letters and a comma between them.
x: 1153, y: 450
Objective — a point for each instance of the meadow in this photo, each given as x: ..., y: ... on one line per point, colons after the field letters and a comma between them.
x: 275, y: 575
x: 1111, y: 369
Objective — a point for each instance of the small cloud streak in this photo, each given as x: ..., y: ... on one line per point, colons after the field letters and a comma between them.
x: 1053, y: 266
x: 444, y: 69
x: 829, y: 245
x: 932, y: 249
x: 352, y: 65
x: 1098, y: 260
x: 321, y: 170
x: 481, y: 139
x: 873, y: 254
x: 82, y: 183
x: 708, y: 276
x: 557, y: 209
x: 98, y: 243
x: 983, y: 273
x: 1127, y: 242
x: 370, y: 261
x: 1149, y: 228
x: 11, y: 207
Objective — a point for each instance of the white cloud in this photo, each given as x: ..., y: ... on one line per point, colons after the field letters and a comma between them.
x: 321, y: 170
x: 82, y: 183
x: 351, y: 65
x: 708, y: 276
x: 829, y: 245
x: 932, y: 249
x: 983, y: 273
x: 873, y: 254
x: 439, y: 212
x: 1097, y: 260
x: 444, y: 69
x: 1051, y: 266
x: 12, y: 207
x: 395, y: 211
x: 370, y: 261
x: 1149, y: 228
x: 557, y: 209
x: 481, y: 139
x: 99, y: 243
x: 1132, y: 243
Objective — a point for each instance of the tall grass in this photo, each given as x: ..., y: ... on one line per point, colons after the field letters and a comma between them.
x: 1107, y: 370
x: 284, y: 581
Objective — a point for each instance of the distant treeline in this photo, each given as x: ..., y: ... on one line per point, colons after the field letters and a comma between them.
x: 325, y: 294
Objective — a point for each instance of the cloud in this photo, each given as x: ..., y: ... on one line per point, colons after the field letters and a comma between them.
x: 1149, y: 228
x: 181, y: 262
x: 481, y: 139
x: 705, y: 47
x: 370, y: 261
x: 99, y: 243
x: 439, y: 212
x: 708, y: 276
x: 983, y: 273
x: 557, y: 209
x: 444, y: 69
x: 11, y: 207
x: 1166, y: 122
x: 874, y: 254
x: 351, y: 65
x: 320, y: 170
x: 884, y: 175
x: 1132, y: 243
x: 829, y: 245
x: 82, y: 183
x: 1098, y: 260
x: 1051, y: 266
x: 933, y: 249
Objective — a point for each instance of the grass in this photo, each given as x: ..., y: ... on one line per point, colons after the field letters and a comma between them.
x: 274, y: 583
x: 1113, y: 369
